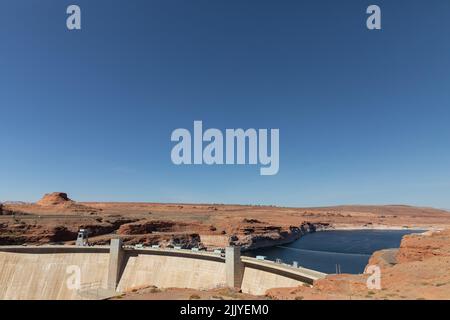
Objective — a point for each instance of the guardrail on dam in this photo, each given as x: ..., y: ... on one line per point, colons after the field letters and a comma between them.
x: 52, y: 272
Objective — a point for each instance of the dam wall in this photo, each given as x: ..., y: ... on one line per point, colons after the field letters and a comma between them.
x: 49, y: 275
x: 171, y: 271
x: 68, y: 273
x: 257, y: 282
x: 259, y: 276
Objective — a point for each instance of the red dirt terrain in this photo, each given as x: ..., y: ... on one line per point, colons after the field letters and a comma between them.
x: 154, y: 293
x: 56, y: 219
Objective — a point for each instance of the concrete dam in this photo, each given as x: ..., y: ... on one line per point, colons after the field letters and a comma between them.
x: 71, y: 272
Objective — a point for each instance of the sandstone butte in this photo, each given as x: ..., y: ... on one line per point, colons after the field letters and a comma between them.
x: 419, y: 269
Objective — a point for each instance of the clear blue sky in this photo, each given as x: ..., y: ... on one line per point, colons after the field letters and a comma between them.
x: 363, y: 115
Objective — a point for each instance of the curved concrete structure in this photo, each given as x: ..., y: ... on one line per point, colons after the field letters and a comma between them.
x: 259, y: 276
x: 171, y: 271
x: 46, y: 275
x: 52, y: 272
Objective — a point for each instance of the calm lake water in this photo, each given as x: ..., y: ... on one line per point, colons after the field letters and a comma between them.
x: 323, y: 250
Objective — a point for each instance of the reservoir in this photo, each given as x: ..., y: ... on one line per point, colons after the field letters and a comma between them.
x: 324, y: 251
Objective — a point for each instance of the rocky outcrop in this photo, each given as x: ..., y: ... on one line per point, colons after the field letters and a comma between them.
x: 59, y: 202
x: 419, y: 247
x: 144, y: 227
x: 384, y: 258
x: 61, y: 233
x: 150, y: 226
x: 102, y: 228
x: 54, y: 199
x: 184, y: 240
x: 256, y: 234
x: 6, y: 212
x: 25, y: 232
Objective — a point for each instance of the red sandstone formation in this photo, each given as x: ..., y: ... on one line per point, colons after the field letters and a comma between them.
x: 54, y: 199
x: 4, y: 211
x: 423, y: 247
x: 149, y: 226
x: 55, y: 203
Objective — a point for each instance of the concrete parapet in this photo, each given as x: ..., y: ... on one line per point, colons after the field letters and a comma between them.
x: 116, y: 258
x: 300, y: 274
x: 53, y: 249
x: 234, y: 267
